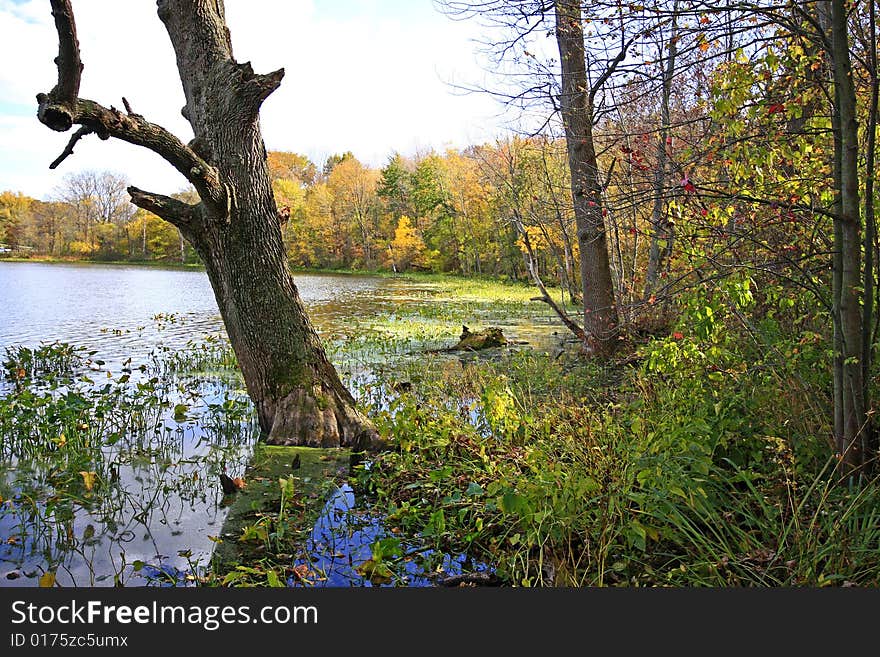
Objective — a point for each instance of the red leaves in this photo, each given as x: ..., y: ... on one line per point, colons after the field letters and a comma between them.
x: 775, y: 108
x: 688, y: 185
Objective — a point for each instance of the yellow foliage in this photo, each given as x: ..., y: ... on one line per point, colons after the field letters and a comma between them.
x: 538, y: 240
x: 288, y: 193
x: 407, y: 248
x: 79, y: 248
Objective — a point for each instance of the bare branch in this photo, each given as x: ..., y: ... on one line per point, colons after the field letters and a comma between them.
x: 536, y: 278
x: 610, y: 68
x: 136, y: 130
x: 68, y: 150
x: 180, y: 214
x: 127, y: 106
x: 61, y: 108
x: 68, y: 61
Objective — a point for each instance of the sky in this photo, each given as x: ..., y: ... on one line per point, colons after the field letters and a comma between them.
x: 369, y: 76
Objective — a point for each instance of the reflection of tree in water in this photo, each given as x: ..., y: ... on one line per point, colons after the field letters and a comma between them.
x: 147, y: 489
x: 350, y: 546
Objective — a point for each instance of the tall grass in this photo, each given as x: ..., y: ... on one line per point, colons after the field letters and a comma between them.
x: 566, y: 473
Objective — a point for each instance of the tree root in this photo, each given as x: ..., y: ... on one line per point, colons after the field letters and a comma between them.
x: 320, y: 418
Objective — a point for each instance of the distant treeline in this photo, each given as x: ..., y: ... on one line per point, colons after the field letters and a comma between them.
x: 460, y: 211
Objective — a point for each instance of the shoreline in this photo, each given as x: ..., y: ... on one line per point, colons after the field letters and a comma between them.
x: 197, y: 266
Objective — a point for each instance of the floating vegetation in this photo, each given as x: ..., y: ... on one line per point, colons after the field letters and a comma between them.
x: 109, y: 474
x: 101, y: 472
x: 57, y: 359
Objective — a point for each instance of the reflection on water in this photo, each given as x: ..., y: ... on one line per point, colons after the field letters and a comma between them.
x: 156, y: 505
x: 342, y: 542
x: 122, y: 311
x: 154, y: 499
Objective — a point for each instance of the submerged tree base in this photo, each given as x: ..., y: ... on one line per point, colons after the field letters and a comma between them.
x: 320, y: 418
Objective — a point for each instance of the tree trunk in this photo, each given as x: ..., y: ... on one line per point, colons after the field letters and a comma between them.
x: 870, y: 239
x: 851, y: 420
x: 600, y: 311
x: 658, y: 224
x: 298, y: 395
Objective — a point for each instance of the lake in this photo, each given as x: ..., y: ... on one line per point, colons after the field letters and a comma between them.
x: 160, y: 509
x: 166, y: 508
x: 119, y: 309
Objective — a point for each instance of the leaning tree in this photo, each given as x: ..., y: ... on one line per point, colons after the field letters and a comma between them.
x: 235, y: 226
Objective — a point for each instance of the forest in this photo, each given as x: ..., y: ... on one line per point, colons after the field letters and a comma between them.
x: 694, y: 214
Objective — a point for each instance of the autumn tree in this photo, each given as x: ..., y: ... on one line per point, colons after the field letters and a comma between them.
x: 316, y: 243
x: 531, y: 200
x: 100, y: 205
x: 14, y: 208
x: 576, y: 102
x: 355, y: 207
x: 435, y: 217
x: 577, y: 89
x: 284, y: 165
x: 235, y: 226
x: 407, y: 249
x: 395, y: 187
x: 333, y: 160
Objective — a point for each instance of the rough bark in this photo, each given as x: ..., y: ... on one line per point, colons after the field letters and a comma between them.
x: 576, y: 101
x: 235, y: 227
x: 851, y: 420
x: 870, y: 240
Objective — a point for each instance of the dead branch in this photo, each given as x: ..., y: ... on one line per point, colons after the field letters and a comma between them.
x: 255, y: 88
x: 61, y: 108
x: 68, y: 61
x: 180, y: 214
x: 68, y: 150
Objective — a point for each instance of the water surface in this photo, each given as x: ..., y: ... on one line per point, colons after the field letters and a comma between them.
x: 120, y: 310
x: 161, y: 508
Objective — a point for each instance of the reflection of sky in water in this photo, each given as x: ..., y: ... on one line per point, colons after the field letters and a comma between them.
x: 167, y: 503
x: 161, y: 506
x: 165, y: 500
x: 341, y: 540
x: 112, y: 308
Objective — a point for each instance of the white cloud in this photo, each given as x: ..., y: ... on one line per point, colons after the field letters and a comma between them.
x: 369, y: 80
